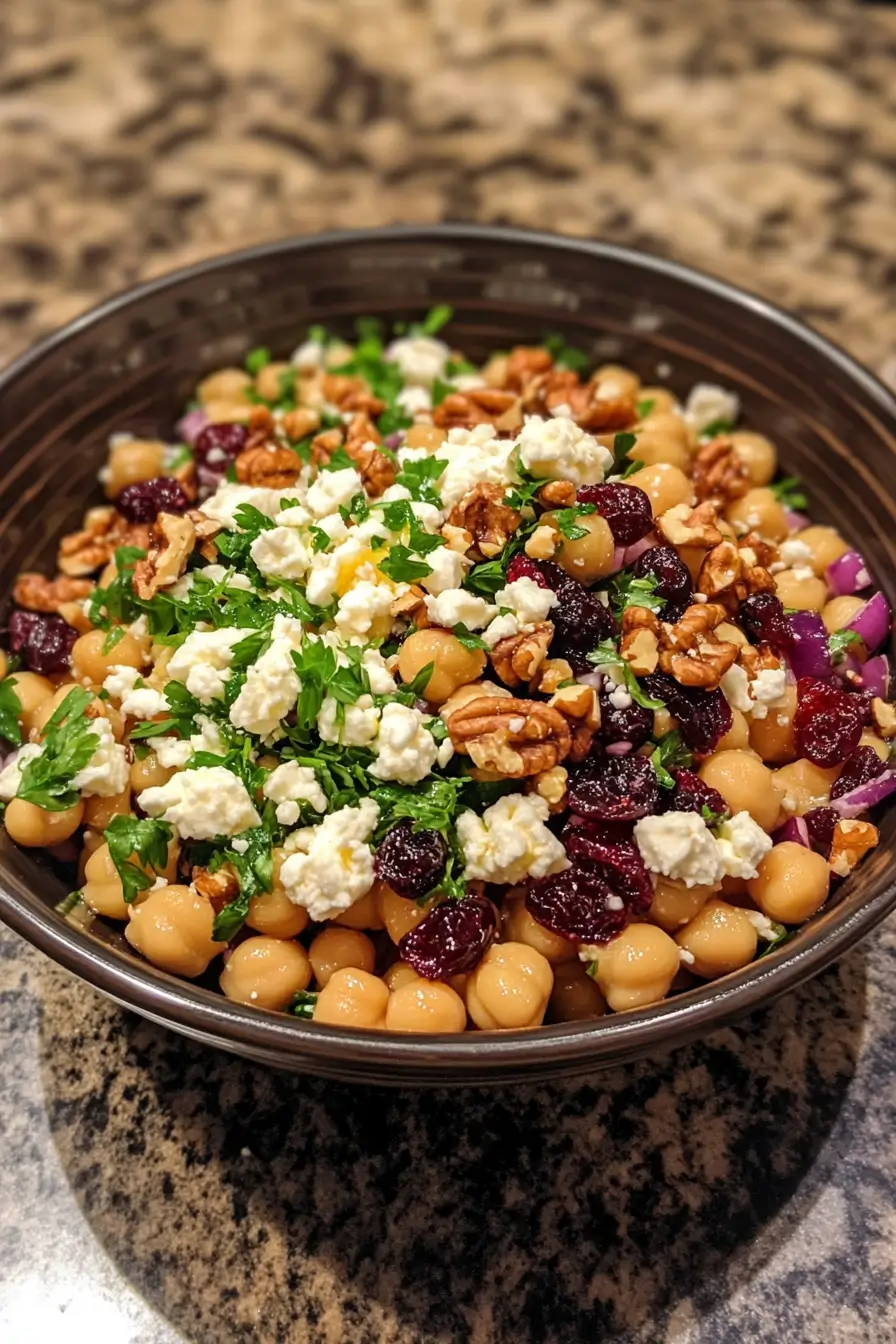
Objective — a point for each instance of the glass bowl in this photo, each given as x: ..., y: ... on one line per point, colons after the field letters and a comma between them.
x: 132, y: 363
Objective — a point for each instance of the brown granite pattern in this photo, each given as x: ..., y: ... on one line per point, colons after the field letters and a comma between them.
x: 742, y: 1189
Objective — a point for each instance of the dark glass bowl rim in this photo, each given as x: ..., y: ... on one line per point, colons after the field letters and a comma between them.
x: 387, y: 1057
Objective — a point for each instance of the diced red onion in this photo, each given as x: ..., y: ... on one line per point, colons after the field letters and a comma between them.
x: 618, y: 748
x: 875, y: 676
x: 809, y: 654
x: 191, y: 425
x: 631, y: 553
x: 796, y: 521
x: 618, y: 558
x: 848, y: 574
x: 794, y: 830
x: 395, y: 440
x: 862, y: 797
x: 592, y: 679
x: 872, y: 622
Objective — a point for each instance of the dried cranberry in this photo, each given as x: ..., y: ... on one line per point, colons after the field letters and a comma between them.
x: 452, y: 939
x: 521, y: 567
x: 692, y: 795
x: 617, y: 860
x: 578, y: 904
x: 633, y: 724
x: 613, y: 788
x: 412, y: 862
x: 863, y: 766
x: 821, y: 822
x: 143, y: 501
x: 625, y: 507
x: 763, y: 620
x: 44, y: 642
x: 828, y: 721
x: 704, y: 716
x: 218, y: 445
x: 581, y: 622
x: 673, y: 578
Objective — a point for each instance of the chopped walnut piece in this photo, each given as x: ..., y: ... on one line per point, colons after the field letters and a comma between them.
x: 684, y: 526
x: 481, y: 406
x: 580, y: 705
x: 543, y: 542
x: 324, y: 445
x: 756, y: 658
x: 524, y: 363
x: 219, y: 887
x: 514, y: 737
x: 187, y: 478
x: 551, y: 786
x: 610, y: 400
x: 474, y: 690
x: 518, y: 657
x: 883, y: 716
x: 37, y: 593
x: 691, y: 652
x: 850, y: 843
x: 171, y: 541
x: 639, y: 646
x: 374, y: 467
x: 457, y: 538
x: 411, y: 607
x: 726, y: 575
x: 482, y: 513
x: 301, y: 422
x: 276, y: 468
x: 557, y: 495
x: 551, y: 390
x: 81, y: 553
x: 351, y: 394
x: 552, y: 673
x: 718, y: 473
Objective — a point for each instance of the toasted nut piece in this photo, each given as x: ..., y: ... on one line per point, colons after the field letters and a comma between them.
x: 482, y: 512
x: 301, y: 422
x: 851, y: 842
x: 543, y: 543
x: 104, y: 530
x: 324, y: 445
x: 729, y: 573
x: 171, y: 541
x: 411, y: 606
x: 219, y: 887
x: 718, y: 473
x: 374, y: 467
x: 457, y: 538
x: 557, y: 495
x: 474, y: 690
x: 514, y: 737
x: 753, y: 658
x: 883, y: 716
x: 684, y: 526
x: 581, y: 706
x: 691, y: 652
x: 269, y: 466
x: 481, y: 406
x: 37, y: 593
x: 524, y: 363
x: 551, y: 674
x: 351, y: 394
x: 640, y: 649
x: 518, y: 657
x: 551, y: 786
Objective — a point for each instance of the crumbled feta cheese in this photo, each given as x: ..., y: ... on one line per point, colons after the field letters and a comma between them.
x: 333, y: 489
x: 11, y: 774
x: 707, y: 403
x: 282, y: 553
x: 381, y: 679
x: 502, y: 627
x: 742, y: 844
x: 680, y: 845
x: 203, y: 803
x: 334, y: 572
x: 473, y: 456
x: 272, y: 685
x: 558, y: 449
x: 735, y: 686
x: 455, y: 606
x: 240, y: 845
x: 173, y: 753
x: 766, y: 928
x: 769, y: 691
x: 365, y: 606
x: 352, y: 725
x: 803, y: 572
x: 428, y: 516
x: 202, y: 663
x: 447, y: 569
x: 421, y: 359
x: 414, y: 400
x: 309, y: 356
x: 141, y: 702
x: 794, y: 553
x: 106, y: 773
x: 331, y: 865
x: 228, y: 497
x: 510, y: 841
x: 215, y: 573
x: 527, y: 601
x: 406, y: 751
x: 291, y: 784
x: 619, y: 698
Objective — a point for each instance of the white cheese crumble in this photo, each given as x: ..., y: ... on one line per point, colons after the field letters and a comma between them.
x: 794, y: 553
x: 332, y: 489
x: 173, y: 753
x: 447, y: 569
x: 228, y: 497
x: 291, y: 784
x: 510, y: 841
x: 502, y: 627
x: 421, y: 359
x: 352, y: 725
x: 473, y: 456
x: 202, y: 663
x: 406, y: 751
x: 706, y: 403
x: 331, y: 866
x: 381, y: 679
x: 271, y: 687
x: 11, y: 774
x: 455, y: 606
x: 282, y: 553
x: 557, y: 449
x: 141, y: 702
x: 742, y: 845
x: 203, y: 803
x: 414, y: 400
x: 106, y: 773
x: 309, y: 356
x: 527, y: 601
x: 767, y: 690
x: 364, y: 606
x: 680, y: 845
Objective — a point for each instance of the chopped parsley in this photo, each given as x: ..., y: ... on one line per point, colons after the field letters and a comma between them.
x: 10, y: 712
x: 254, y: 868
x: 567, y: 522
x: 566, y: 356
x: 669, y: 753
x: 790, y: 493
x: 607, y: 655
x: 627, y: 591
x: 840, y: 643
x: 722, y: 425
x: 147, y: 840
x: 623, y: 443
x: 303, y: 1003
x: 467, y: 637
x: 69, y: 743
x: 257, y: 359
x: 643, y: 408
x: 418, y: 477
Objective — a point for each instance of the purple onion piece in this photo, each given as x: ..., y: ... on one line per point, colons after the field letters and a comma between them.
x: 395, y: 440
x: 872, y: 622
x: 618, y: 748
x: 796, y: 521
x: 637, y: 548
x: 809, y: 654
x: 592, y: 679
x: 618, y: 558
x: 875, y: 676
x: 794, y: 830
x: 868, y: 795
x: 191, y: 425
x: 848, y: 574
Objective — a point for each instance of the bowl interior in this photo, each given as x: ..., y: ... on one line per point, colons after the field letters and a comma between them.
x: 131, y: 366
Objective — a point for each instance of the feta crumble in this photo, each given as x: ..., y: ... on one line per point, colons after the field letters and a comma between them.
x: 331, y: 865
x: 291, y: 784
x: 557, y: 449
x: 510, y: 841
x: 202, y: 803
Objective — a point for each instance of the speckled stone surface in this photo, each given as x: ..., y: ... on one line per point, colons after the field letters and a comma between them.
x: 740, y: 1190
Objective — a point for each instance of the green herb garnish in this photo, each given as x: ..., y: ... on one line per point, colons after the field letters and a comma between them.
x: 148, y: 840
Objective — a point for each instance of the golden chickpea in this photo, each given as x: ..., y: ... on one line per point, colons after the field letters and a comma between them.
x: 745, y: 783
x: 803, y: 785
x: 759, y: 511
x: 509, y: 988
x: 429, y: 437
x: 453, y: 665
x: 273, y: 913
x: 663, y: 402
x: 590, y: 557
x: 364, y: 914
x: 149, y: 774
x: 732, y: 634
x: 130, y: 461
x: 265, y: 972
x: 791, y: 884
x: 399, y: 974
x: 89, y: 661
x: 334, y: 949
x: 105, y: 898
x: 721, y: 939
x: 693, y: 557
x: 664, y: 485
x: 825, y: 545
x: 674, y: 904
x: 33, y: 692
x: 4, y: 664
x: 663, y: 437
x: 36, y: 829
x: 757, y: 453
x: 798, y: 589
x: 575, y: 996
x: 227, y: 412
x: 520, y: 927
x: 352, y: 998
x: 269, y: 380
x: 399, y: 915
x: 98, y: 812
x: 839, y: 611
x: 225, y: 385
x: 871, y: 739
x: 172, y: 928
x: 637, y: 967
x: 773, y: 738
x: 425, y: 1006
x: 738, y: 735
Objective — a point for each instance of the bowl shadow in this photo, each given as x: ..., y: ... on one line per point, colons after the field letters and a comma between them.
x: 249, y: 1205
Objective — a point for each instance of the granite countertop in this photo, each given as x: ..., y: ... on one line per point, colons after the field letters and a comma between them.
x: 740, y: 1189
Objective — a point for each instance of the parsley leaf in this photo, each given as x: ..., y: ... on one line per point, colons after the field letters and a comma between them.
x: 255, y: 872
x: 320, y: 539
x: 431, y: 805
x: 566, y: 356
x: 393, y: 419
x: 467, y: 638
x: 720, y: 426
x: 418, y: 477
x: 415, y: 688
x: 607, y: 655
x: 669, y: 753
x: 69, y: 743
x: 403, y: 566
x: 780, y: 935
x: 303, y: 1003
x: 643, y: 409
x: 713, y: 818
x: 117, y: 603
x: 338, y: 460
x: 257, y: 359
x: 627, y: 591
x: 438, y: 317
x: 10, y: 712
x: 147, y: 840
x: 622, y: 445
x: 565, y: 520
x: 790, y: 493
x: 839, y: 644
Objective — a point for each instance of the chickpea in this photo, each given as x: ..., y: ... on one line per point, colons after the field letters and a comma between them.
x: 265, y: 972
x: 738, y: 735
x: 98, y: 812
x: 664, y: 485
x: 663, y: 400
x: 453, y: 665
x: 759, y: 511
x: 130, y: 461
x: 745, y: 783
x: 637, y: 967
x: 225, y: 385
x: 674, y: 904
x: 871, y: 739
x: 398, y: 914
x: 509, y: 988
x: 520, y: 927
x: 227, y: 412
x: 721, y: 938
x: 802, y: 593
x: 575, y: 996
x: 352, y: 998
x: 172, y: 928
x: 364, y: 914
x: 4, y: 664
x: 773, y: 738
x: 33, y: 692
x: 429, y: 437
x: 590, y: 557
x: 663, y: 437
x: 269, y: 380
x: 803, y: 785
x: 273, y: 914
x: 399, y: 974
x: 62, y: 692
x: 334, y: 949
x: 839, y: 612
x: 825, y: 544
x: 425, y: 1006
x: 693, y: 557
x: 89, y: 661
x: 791, y: 884
x: 732, y: 634
x: 36, y: 829
x: 757, y: 454
x: 101, y: 889
x: 149, y: 774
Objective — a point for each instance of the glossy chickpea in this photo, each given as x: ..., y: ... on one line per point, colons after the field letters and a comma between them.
x: 399, y: 974
x: 738, y: 735
x: 589, y: 558
x: 425, y: 1006
x: 637, y: 967
x: 90, y: 662
x: 675, y: 904
x: 664, y: 438
x: 273, y: 913
x: 225, y: 385
x: 519, y: 927
x: 791, y: 884
x: 871, y: 739
x: 801, y: 590
x: 509, y: 988
x: 130, y: 461
x: 398, y: 914
x: 773, y: 738
x: 36, y: 829
x: 575, y: 996
x: 101, y: 890
x: 269, y: 380
x: 99, y: 812
x: 757, y: 454
x: 353, y: 998
x: 656, y: 401
x: 664, y: 485
x: 335, y: 949
x: 825, y: 546
x: 803, y: 785
x: 265, y: 972
x: 172, y: 928
x: 745, y: 783
x: 731, y: 634
x: 429, y: 437
x: 721, y: 939
x: 839, y: 611
x: 692, y: 557
x: 363, y: 914
x: 759, y: 511
x: 149, y: 773
x: 453, y: 665
x: 33, y: 692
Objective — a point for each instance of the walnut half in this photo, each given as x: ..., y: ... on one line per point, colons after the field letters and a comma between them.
x: 518, y: 657
x: 171, y: 541
x: 37, y: 593
x: 513, y: 737
x: 850, y: 843
x: 482, y: 513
